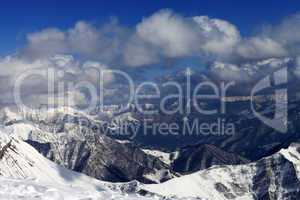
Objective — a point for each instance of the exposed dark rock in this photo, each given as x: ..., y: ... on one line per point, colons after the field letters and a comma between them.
x: 104, y: 159
x: 197, y: 157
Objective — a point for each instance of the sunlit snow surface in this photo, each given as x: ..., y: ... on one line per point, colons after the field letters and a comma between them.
x: 27, y: 189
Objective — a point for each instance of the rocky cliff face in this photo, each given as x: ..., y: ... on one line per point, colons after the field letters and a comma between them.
x: 105, y: 159
x: 197, y: 157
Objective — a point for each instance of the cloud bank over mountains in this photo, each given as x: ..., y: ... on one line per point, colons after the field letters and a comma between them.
x: 163, y: 36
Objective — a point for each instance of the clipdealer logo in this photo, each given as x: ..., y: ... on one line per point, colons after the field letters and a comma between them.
x: 279, y: 121
x: 193, y: 96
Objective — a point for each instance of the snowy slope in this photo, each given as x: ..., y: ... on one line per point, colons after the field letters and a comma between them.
x: 31, y: 189
x: 25, y: 174
x: 18, y: 189
x: 20, y: 160
x: 27, y: 189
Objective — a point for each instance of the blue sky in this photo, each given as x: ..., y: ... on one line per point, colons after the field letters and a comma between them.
x: 21, y: 17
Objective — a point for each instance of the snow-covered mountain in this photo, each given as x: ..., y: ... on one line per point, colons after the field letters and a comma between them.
x: 273, y: 177
x: 74, y: 140
x: 26, y: 174
x: 61, y: 137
